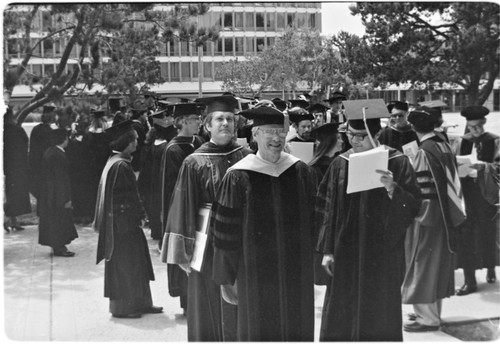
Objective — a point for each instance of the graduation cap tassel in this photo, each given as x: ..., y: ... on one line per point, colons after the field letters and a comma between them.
x: 368, y: 130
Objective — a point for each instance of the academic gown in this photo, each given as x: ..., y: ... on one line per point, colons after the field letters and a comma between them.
x: 40, y: 140
x: 365, y: 232
x: 261, y: 232
x: 122, y: 243
x: 199, y: 178
x: 16, y: 170
x: 78, y: 162
x: 56, y: 227
x: 431, y: 241
x: 478, y: 244
x: 397, y: 137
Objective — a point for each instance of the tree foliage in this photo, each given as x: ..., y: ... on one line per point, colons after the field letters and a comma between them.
x: 117, y: 45
x: 428, y: 42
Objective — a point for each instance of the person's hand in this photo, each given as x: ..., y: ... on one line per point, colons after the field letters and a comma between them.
x: 68, y: 205
x: 185, y: 267
x: 480, y: 165
x: 327, y: 263
x: 387, y: 179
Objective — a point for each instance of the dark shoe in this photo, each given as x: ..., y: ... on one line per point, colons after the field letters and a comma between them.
x: 64, y: 254
x: 418, y: 327
x: 127, y: 316
x: 491, y: 277
x: 411, y: 316
x: 466, y: 289
x: 18, y: 228
x: 153, y: 310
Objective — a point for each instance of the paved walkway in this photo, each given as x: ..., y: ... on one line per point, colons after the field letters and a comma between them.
x: 61, y: 299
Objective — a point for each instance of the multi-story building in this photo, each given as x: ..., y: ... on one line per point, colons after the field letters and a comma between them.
x: 246, y: 28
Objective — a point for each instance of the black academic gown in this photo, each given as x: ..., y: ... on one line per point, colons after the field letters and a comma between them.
x: 199, y: 177
x: 122, y: 243
x: 78, y: 156
x: 261, y: 229
x: 16, y: 170
x: 397, y: 138
x: 40, y: 140
x: 365, y: 232
x: 56, y: 227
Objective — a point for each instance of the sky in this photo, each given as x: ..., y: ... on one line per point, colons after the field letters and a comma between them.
x: 335, y: 16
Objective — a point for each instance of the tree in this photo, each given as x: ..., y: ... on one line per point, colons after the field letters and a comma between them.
x: 117, y: 45
x: 433, y: 42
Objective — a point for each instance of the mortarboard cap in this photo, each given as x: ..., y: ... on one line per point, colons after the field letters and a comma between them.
x: 390, y: 106
x: 397, y: 105
x: 264, y: 114
x: 220, y: 103
x: 336, y: 96
x: 374, y: 110
x: 280, y: 104
x: 98, y: 113
x: 474, y: 112
x: 299, y: 102
x: 115, y: 103
x: 298, y: 114
x: 163, y: 103
x: 117, y: 130
x: 158, y: 114
x: 433, y: 103
x: 318, y: 108
x: 185, y: 109
x: 325, y: 130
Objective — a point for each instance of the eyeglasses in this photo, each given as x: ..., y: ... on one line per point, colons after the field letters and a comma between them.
x: 281, y: 132
x: 194, y: 118
x: 475, y: 127
x: 397, y: 116
x: 360, y: 137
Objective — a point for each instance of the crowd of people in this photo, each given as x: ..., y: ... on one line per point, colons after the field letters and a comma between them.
x: 246, y: 228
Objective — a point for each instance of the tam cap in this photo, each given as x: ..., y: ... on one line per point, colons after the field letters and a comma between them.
x: 374, y: 110
x: 119, y: 129
x: 424, y: 119
x: 474, y: 112
x: 336, y: 96
x: 225, y: 103
x: 299, y: 103
x: 263, y: 115
x: 185, y: 109
x: 98, y: 113
x: 328, y: 129
x: 298, y: 114
x: 318, y: 108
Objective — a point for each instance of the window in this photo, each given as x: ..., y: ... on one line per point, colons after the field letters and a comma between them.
x: 46, y: 21
x: 270, y: 41
x: 217, y: 66
x: 250, y: 43
x: 238, y: 21
x: 164, y: 70
x: 185, y: 71
x: 195, y: 70
x: 260, y: 20
x: 174, y: 71
x: 57, y: 47
x: 218, y: 47
x: 217, y: 19
x: 12, y: 47
x: 290, y: 20
x: 37, y: 52
x: 301, y: 20
x: 260, y: 44
x: 48, y: 48
x: 238, y: 47
x: 271, y: 22
x: 228, y: 21
x: 250, y: 21
x: 48, y: 70
x: 37, y: 71
x: 280, y: 21
x: 207, y: 48
x: 312, y: 20
x: 184, y: 48
x: 207, y: 71
x: 228, y: 46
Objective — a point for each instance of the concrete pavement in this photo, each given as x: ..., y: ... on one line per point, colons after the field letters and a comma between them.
x: 61, y: 299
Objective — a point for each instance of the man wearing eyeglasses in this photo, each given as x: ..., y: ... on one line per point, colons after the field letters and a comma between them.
x: 362, y: 236
x: 399, y: 132
x: 302, y: 122
x: 478, y: 247
x: 261, y: 233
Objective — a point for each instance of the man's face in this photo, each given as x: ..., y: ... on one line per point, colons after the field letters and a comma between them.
x: 399, y: 118
x: 335, y: 106
x: 221, y: 127
x: 476, y: 127
x: 304, y: 129
x: 270, y: 139
x: 358, y: 139
x: 192, y: 123
x: 132, y: 146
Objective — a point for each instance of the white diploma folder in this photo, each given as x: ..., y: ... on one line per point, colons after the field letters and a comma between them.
x: 361, y: 175
x: 201, y: 238
x: 302, y: 150
x: 464, y: 162
x: 410, y: 150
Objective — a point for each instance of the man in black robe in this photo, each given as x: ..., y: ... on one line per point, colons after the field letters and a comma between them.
x: 16, y: 172
x: 56, y: 228
x: 261, y: 233
x: 122, y: 243
x: 40, y: 140
x: 302, y: 122
x: 197, y: 183
x: 478, y: 247
x: 399, y: 132
x: 362, y: 237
